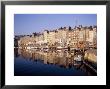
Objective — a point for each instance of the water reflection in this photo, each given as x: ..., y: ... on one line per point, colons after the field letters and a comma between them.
x: 62, y: 59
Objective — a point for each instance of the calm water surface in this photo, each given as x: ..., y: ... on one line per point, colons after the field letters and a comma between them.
x: 38, y: 63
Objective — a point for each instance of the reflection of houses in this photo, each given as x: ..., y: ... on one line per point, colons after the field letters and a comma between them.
x: 62, y: 59
x: 91, y: 55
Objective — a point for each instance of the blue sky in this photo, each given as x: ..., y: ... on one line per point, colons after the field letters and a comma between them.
x: 26, y: 24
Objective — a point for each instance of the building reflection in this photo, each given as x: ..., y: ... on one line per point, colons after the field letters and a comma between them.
x: 59, y: 58
x: 16, y: 54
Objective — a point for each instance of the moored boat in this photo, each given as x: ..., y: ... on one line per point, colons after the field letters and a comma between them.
x: 78, y: 57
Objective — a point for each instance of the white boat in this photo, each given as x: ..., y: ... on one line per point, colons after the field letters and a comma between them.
x: 28, y: 47
x: 46, y: 49
x: 78, y: 58
x: 59, y: 47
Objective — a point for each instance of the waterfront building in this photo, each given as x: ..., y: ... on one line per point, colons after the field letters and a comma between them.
x: 45, y: 35
x: 78, y: 37
x: 73, y: 38
x: 51, y: 38
x: 27, y: 42
x: 62, y: 36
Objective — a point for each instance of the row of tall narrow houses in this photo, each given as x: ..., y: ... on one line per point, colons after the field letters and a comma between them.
x: 77, y: 37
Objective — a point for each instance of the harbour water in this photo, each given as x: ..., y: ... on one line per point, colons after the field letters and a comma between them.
x: 30, y: 62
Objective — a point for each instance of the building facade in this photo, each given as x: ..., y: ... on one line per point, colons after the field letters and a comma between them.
x: 78, y: 37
